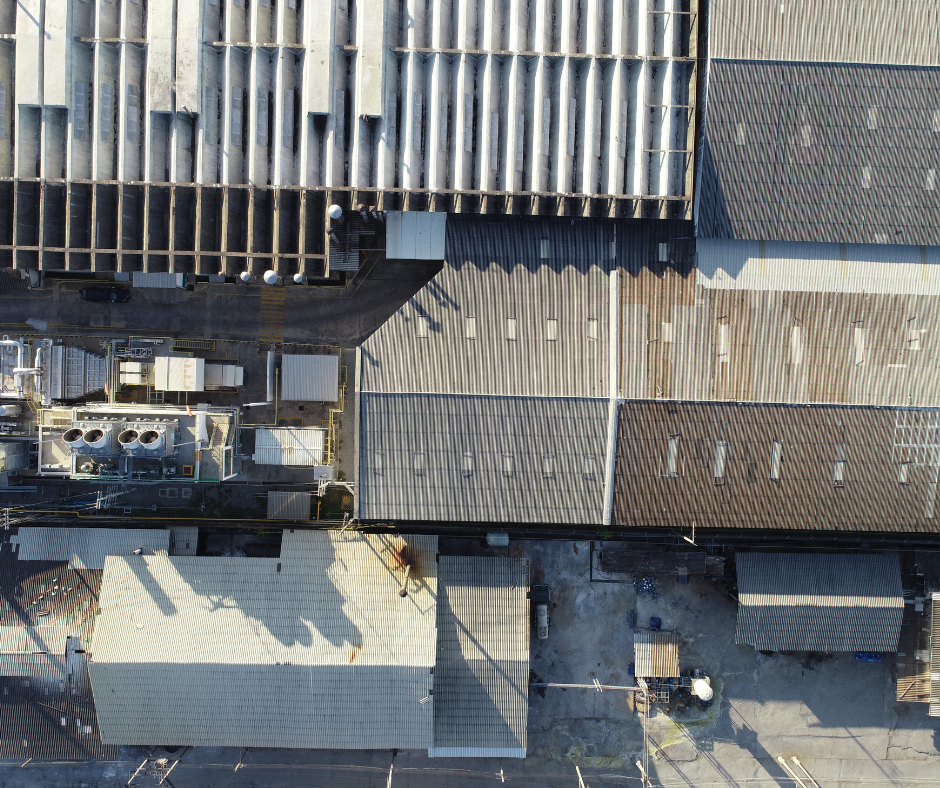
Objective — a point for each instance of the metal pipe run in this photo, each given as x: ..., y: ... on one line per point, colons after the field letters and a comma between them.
x: 586, y: 686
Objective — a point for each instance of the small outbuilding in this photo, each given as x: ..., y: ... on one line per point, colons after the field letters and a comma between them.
x: 819, y: 602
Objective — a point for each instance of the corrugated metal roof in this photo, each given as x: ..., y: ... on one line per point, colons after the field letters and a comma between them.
x: 482, y: 459
x: 314, y: 649
x: 47, y: 607
x: 288, y: 505
x: 179, y: 374
x: 184, y: 539
x: 656, y: 655
x: 758, y: 324
x: 297, y: 446
x: 415, y: 235
x: 86, y: 548
x: 481, y: 680
x: 309, y: 378
x: 888, y: 473
x: 162, y: 280
x: 819, y: 602
x: 820, y: 152
x: 934, y: 710
x: 521, y: 308
x: 844, y: 31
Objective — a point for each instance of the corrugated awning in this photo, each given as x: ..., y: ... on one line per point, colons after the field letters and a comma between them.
x: 656, y: 655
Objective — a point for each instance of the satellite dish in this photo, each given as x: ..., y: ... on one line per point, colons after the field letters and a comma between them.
x: 336, y: 212
x: 702, y: 688
x: 245, y: 276
x: 298, y: 279
x: 270, y: 277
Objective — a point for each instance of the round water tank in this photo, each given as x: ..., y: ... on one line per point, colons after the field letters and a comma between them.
x: 270, y: 277
x: 702, y: 688
x: 151, y: 439
x: 96, y: 438
x: 245, y: 276
x: 336, y: 212
x: 129, y: 439
x: 10, y: 410
x: 74, y: 436
x: 298, y: 279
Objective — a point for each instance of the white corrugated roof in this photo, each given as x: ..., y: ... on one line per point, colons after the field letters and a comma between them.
x: 299, y: 446
x: 312, y: 649
x: 309, y: 378
x: 179, y: 374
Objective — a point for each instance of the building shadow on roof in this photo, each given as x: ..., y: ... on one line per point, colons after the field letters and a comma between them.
x: 537, y: 242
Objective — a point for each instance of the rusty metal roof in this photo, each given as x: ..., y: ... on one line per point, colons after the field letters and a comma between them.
x: 777, y: 466
x: 786, y: 323
x: 656, y: 655
x: 819, y: 602
x: 843, y: 31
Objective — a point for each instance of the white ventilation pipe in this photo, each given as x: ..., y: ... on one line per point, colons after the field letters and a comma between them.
x: 270, y: 376
x: 20, y: 346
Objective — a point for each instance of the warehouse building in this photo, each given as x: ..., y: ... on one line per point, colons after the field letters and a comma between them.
x: 138, y: 136
x: 821, y: 123
x: 819, y: 602
x: 316, y: 648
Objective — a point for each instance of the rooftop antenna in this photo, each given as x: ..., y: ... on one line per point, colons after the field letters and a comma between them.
x: 692, y: 540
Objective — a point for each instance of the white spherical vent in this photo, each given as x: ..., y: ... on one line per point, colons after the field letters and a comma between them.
x: 701, y: 688
x: 298, y: 279
x: 245, y: 276
x: 270, y: 277
x: 336, y: 212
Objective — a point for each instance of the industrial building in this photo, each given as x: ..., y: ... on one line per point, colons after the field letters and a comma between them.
x: 207, y: 137
x: 821, y: 123
x: 819, y: 602
x: 316, y: 648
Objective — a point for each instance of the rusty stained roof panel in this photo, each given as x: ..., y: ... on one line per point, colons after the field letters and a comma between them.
x: 656, y: 655
x: 843, y: 31
x: 778, y: 466
x: 701, y: 338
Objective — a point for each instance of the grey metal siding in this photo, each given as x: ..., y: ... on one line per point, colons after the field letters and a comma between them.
x: 482, y: 459
x: 820, y: 152
x: 873, y: 443
x: 821, y: 602
x: 481, y: 679
x: 846, y: 31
